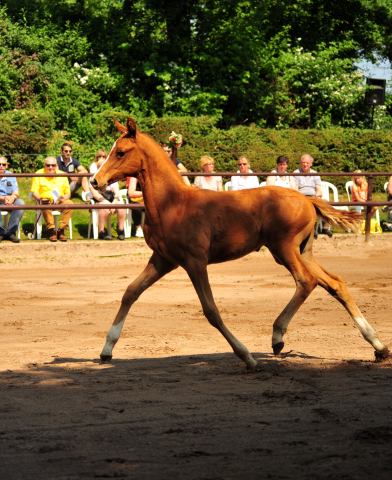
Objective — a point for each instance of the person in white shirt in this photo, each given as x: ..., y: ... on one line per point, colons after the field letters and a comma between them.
x: 110, y: 196
x: 284, y: 181
x: 206, y: 182
x: 100, y: 155
x: 244, y: 182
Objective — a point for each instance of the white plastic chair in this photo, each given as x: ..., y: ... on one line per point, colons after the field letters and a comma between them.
x: 55, y: 213
x: 228, y: 186
x: 349, y: 186
x: 6, y: 217
x: 263, y: 184
x: 128, y: 218
x: 326, y: 187
x: 388, y: 208
x: 88, y: 196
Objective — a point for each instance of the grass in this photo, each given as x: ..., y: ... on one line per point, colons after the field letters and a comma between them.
x: 80, y: 218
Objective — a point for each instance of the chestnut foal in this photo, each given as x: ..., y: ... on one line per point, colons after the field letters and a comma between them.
x: 192, y: 228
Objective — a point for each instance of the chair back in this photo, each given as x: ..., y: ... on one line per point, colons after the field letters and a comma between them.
x: 88, y: 196
x: 124, y: 195
x: 326, y: 187
x: 349, y: 186
x: 263, y: 184
x: 227, y: 186
x: 386, y: 187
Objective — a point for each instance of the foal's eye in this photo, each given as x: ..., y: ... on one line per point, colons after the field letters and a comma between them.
x: 120, y: 154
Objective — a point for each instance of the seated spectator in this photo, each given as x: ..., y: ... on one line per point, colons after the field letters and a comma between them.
x: 207, y: 182
x: 389, y: 189
x: 310, y: 185
x: 110, y: 196
x: 359, y: 191
x: 9, y: 195
x: 135, y: 196
x: 68, y: 164
x: 244, y: 182
x: 100, y: 155
x: 180, y: 166
x: 284, y: 181
x: 53, y: 191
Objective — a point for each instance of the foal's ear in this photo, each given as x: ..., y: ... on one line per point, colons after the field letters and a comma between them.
x: 131, y: 127
x: 120, y: 127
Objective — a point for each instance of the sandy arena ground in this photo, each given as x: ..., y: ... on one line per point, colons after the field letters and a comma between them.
x: 175, y: 403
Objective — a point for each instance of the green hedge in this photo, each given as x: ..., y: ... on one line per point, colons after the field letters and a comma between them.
x: 24, y: 135
x: 337, y: 150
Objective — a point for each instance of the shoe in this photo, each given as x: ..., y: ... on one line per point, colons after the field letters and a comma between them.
x: 315, y: 235
x: 326, y: 231
x: 61, y: 236
x: 139, y: 232
x: 53, y: 235
x: 103, y: 236
x: 13, y: 239
x: 121, y: 235
x: 1, y: 238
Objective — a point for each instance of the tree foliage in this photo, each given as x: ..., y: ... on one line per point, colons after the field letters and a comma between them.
x: 279, y: 64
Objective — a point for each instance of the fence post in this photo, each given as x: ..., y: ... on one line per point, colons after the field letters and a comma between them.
x: 174, y: 156
x: 369, y: 209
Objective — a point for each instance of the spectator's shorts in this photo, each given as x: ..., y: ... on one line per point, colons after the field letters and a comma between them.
x: 74, y: 186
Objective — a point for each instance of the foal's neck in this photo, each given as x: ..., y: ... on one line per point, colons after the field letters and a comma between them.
x: 161, y: 182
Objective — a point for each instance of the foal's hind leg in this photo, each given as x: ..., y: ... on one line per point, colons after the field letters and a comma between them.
x: 335, y: 285
x: 197, y: 272
x: 157, y: 267
x: 305, y: 282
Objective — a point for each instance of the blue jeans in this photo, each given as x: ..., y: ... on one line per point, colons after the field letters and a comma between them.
x: 14, y: 220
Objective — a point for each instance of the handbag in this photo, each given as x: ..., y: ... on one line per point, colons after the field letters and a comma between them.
x: 108, y: 195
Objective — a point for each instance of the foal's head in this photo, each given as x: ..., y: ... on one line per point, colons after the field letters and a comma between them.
x: 124, y: 159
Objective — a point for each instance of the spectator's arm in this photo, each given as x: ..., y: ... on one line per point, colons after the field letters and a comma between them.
x: 132, y: 192
x: 319, y: 191
x: 355, y: 194
x: 293, y: 184
x: 116, y: 191
x: 271, y: 181
x: 37, y: 196
x: 389, y: 188
x: 96, y: 195
x: 181, y: 168
x: 219, y: 186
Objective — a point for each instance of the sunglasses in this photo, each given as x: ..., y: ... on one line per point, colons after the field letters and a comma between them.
x: 3, y: 164
x: 241, y: 164
x: 49, y: 165
x: 67, y: 151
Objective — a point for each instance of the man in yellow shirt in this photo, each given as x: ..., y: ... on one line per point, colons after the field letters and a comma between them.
x: 53, y: 190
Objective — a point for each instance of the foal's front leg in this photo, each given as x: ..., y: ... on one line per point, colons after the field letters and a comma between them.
x: 197, y: 272
x: 157, y: 267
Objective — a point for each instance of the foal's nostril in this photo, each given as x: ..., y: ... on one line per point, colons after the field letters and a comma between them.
x: 94, y: 183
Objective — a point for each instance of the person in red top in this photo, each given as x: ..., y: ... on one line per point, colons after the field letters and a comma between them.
x: 359, y: 191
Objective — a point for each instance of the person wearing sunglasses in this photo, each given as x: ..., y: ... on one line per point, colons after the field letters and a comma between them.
x: 9, y: 195
x: 244, y: 181
x: 100, y: 155
x: 53, y: 190
x: 67, y: 164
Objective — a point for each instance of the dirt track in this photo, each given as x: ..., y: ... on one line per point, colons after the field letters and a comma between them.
x: 175, y: 403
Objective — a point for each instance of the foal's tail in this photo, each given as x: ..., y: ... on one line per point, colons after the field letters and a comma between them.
x: 349, y: 221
